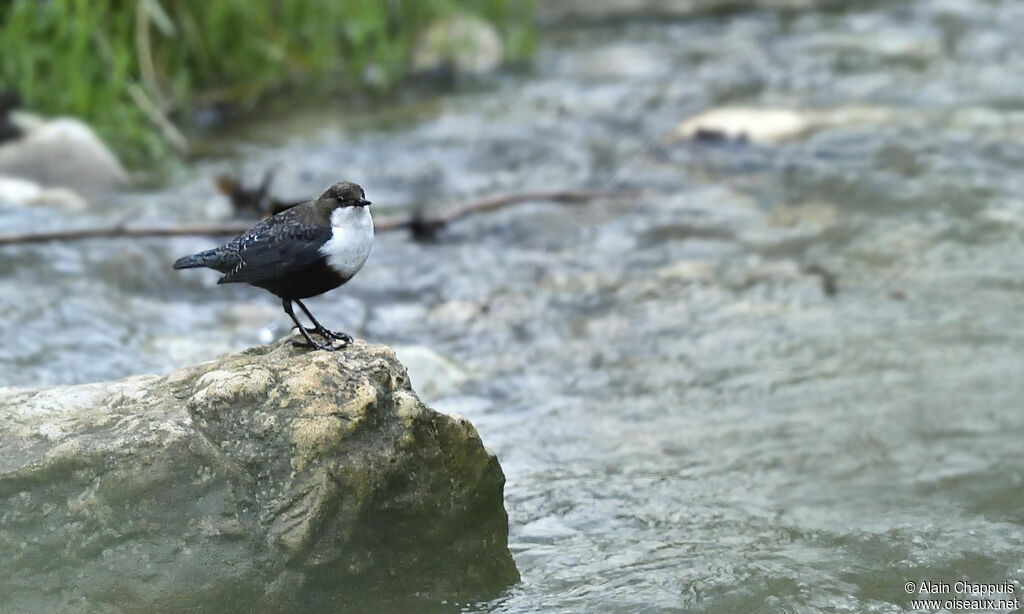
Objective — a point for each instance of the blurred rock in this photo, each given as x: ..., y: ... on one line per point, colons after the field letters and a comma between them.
x: 459, y: 45
x: 689, y: 271
x: 183, y: 350
x: 15, y: 192
x: 743, y: 124
x: 268, y: 480
x: 434, y: 375
x: 62, y: 152
x: 390, y: 320
x: 770, y: 125
x: 791, y: 226
x: 454, y: 313
x: 857, y: 115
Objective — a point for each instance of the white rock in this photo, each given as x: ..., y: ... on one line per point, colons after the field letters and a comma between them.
x: 775, y: 125
x: 691, y: 271
x: 858, y: 115
x: 62, y: 152
x: 754, y: 124
x: 432, y: 374
x: 18, y: 192
x: 463, y: 44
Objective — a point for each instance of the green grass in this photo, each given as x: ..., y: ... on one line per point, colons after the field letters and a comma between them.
x: 123, y: 64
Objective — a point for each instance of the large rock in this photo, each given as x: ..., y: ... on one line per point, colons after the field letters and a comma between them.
x: 459, y: 45
x: 277, y: 479
x: 62, y: 153
x: 744, y: 123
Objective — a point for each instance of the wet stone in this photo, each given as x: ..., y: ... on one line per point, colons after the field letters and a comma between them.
x: 275, y: 477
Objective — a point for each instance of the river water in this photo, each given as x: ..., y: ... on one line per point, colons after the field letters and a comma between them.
x: 782, y: 377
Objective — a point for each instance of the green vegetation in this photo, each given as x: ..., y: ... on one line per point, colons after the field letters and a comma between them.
x: 128, y: 65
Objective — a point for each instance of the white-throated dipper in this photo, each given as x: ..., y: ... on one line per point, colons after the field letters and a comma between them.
x: 301, y: 252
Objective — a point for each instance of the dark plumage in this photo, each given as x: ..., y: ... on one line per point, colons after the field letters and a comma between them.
x: 304, y: 251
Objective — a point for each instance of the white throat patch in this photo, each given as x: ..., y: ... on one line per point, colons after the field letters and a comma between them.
x: 351, y: 240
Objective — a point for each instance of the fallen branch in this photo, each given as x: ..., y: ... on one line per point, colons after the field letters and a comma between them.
x: 426, y: 229
x: 420, y: 226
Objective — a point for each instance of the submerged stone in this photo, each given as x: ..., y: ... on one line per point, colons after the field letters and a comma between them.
x: 16, y: 192
x: 744, y: 123
x: 276, y: 478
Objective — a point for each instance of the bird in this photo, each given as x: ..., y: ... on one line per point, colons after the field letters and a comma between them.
x: 304, y: 251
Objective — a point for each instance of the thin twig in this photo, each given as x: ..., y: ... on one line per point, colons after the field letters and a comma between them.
x: 235, y: 227
x: 499, y: 202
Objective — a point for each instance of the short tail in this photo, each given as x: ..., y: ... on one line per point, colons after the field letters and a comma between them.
x: 210, y: 258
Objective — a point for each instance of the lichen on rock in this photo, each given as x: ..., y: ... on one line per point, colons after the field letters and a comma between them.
x: 274, y: 476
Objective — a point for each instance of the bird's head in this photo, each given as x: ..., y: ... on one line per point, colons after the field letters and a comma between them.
x: 345, y: 194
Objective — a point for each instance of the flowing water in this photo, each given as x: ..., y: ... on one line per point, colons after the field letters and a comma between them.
x: 781, y: 377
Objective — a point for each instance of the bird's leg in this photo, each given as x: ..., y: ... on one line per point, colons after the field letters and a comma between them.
x: 320, y: 328
x: 317, y: 328
x: 287, y: 304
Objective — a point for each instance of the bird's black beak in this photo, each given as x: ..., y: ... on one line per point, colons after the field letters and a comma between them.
x: 362, y: 202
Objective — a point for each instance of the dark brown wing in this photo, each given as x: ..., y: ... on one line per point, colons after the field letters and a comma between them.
x: 277, y: 247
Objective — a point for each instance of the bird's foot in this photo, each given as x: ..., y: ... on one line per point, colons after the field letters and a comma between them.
x: 327, y: 347
x: 329, y: 334
x: 343, y: 337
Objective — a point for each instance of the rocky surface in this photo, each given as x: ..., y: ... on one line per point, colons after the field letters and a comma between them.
x: 243, y: 481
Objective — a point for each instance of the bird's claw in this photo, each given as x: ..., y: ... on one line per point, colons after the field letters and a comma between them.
x: 345, y: 338
x: 329, y: 335
x: 316, y: 346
